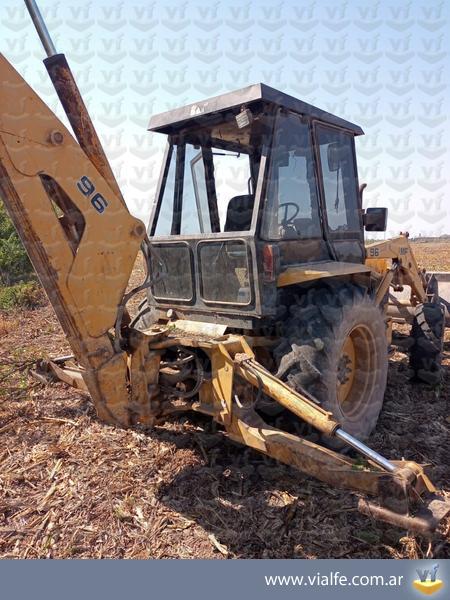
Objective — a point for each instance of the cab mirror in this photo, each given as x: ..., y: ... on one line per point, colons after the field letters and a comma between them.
x: 334, y: 156
x: 375, y: 219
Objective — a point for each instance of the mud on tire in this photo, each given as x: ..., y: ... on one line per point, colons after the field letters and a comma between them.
x: 311, y: 356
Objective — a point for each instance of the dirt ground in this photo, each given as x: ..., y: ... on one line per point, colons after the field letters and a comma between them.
x: 71, y: 486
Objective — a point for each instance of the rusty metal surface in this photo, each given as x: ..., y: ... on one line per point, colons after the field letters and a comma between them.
x: 77, y: 113
x: 425, y: 521
x: 51, y: 370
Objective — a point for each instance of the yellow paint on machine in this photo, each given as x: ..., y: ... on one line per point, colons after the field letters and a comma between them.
x: 303, y: 273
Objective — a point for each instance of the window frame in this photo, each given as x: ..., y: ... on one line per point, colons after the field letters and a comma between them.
x: 167, y: 299
x: 237, y: 240
x: 192, y: 164
x: 352, y: 234
x: 160, y: 188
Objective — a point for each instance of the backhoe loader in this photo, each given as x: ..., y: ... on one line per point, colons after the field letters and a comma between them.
x: 264, y: 309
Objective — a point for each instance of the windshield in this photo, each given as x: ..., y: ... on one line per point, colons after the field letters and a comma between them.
x: 205, y: 190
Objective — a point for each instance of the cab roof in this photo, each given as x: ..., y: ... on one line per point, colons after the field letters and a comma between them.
x: 201, y: 112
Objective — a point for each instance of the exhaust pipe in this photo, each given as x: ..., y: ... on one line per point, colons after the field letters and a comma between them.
x: 72, y: 101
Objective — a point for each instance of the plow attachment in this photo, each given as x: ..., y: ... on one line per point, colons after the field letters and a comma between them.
x: 400, y: 492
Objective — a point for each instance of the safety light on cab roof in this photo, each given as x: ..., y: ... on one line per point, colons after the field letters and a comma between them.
x: 244, y: 118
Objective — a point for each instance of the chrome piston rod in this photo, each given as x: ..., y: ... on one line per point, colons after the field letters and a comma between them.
x: 302, y: 406
x: 41, y: 27
x: 364, y: 450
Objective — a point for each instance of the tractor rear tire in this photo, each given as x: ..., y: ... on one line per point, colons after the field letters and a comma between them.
x: 335, y: 350
x: 427, y: 342
x: 145, y: 318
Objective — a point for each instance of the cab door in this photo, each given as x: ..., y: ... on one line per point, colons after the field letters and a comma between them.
x: 292, y: 214
x: 339, y: 188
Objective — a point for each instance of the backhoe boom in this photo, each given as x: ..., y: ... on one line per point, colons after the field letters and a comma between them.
x: 80, y: 237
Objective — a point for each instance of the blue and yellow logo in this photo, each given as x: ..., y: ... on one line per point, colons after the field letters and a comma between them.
x: 428, y: 583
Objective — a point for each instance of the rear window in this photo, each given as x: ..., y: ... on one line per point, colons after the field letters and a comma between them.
x: 224, y: 268
x: 171, y: 266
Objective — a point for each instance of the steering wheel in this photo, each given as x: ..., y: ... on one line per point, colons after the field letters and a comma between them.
x: 286, y: 206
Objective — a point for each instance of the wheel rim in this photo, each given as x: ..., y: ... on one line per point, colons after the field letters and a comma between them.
x: 356, y: 369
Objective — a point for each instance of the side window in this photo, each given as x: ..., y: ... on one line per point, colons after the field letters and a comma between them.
x: 192, y: 212
x: 194, y: 216
x: 164, y: 222
x: 291, y: 206
x: 336, y: 150
x: 234, y: 202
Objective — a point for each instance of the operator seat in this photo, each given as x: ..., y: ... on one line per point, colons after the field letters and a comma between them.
x: 239, y: 213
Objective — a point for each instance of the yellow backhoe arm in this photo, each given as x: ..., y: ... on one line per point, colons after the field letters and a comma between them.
x: 80, y: 237
x: 394, y: 260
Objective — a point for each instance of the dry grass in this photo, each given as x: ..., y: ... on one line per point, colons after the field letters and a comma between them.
x: 434, y: 257
x: 4, y: 326
x: 71, y: 486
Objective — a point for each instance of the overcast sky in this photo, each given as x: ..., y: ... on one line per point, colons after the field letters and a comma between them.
x: 381, y: 65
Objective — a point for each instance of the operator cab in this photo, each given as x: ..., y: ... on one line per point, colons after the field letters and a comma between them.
x: 253, y: 182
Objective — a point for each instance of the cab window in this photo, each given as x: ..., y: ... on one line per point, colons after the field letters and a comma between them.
x: 192, y: 204
x: 291, y: 204
x: 337, y: 159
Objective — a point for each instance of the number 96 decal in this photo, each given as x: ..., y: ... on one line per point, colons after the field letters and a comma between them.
x: 87, y: 188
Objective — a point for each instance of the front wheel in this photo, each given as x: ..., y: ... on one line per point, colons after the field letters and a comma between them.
x: 427, y: 341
